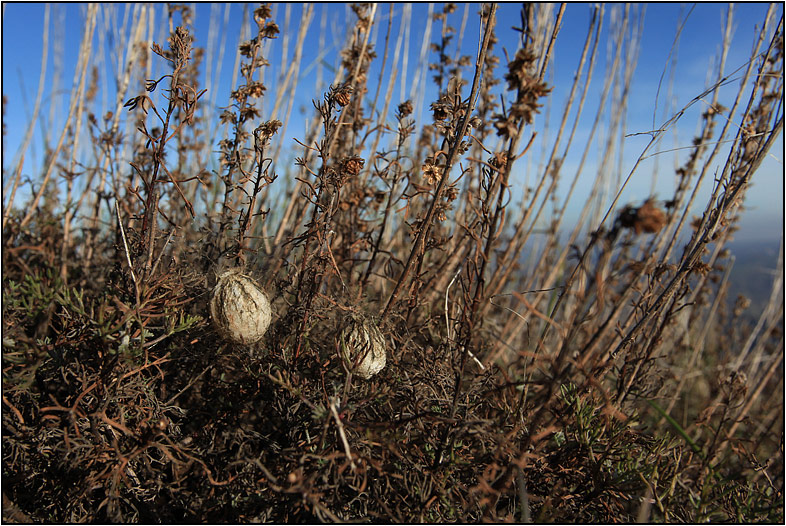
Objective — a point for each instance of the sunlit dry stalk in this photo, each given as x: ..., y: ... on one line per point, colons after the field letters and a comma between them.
x: 33, y: 120
x: 416, y: 249
x: 14, y: 185
x: 123, y: 74
x: 354, y: 81
x: 388, y: 95
x: 295, y: 67
x: 753, y: 397
x: 505, y: 266
x: 712, y: 219
x: 416, y: 92
x: 69, y: 213
x: 291, y: 81
x: 288, y: 71
x: 617, y: 310
x: 698, y: 342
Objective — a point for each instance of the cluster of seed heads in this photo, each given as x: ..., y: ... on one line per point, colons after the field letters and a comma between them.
x: 242, y: 314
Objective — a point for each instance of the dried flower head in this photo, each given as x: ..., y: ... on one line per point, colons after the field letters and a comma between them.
x: 363, y: 346
x: 256, y: 89
x: 650, y: 219
x: 261, y: 13
x: 431, y: 171
x: 265, y: 131
x: 343, y: 95
x: 647, y: 218
x: 440, y: 110
x: 405, y: 108
x: 239, y: 307
x: 269, y: 31
x: 180, y: 45
x: 352, y: 165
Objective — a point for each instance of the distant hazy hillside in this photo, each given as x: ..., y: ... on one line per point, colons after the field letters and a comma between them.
x: 753, y: 272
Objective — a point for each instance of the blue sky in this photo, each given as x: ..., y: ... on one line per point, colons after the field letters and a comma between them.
x: 696, y: 57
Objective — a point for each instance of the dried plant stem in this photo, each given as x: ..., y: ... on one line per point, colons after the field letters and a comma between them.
x: 388, y: 94
x: 341, y: 433
x: 284, y: 87
x: 416, y: 249
x: 567, y: 352
x: 125, y: 246
x: 79, y: 80
x: 447, y: 320
x: 416, y: 94
x: 698, y: 344
x: 80, y: 96
x: 36, y: 108
x: 9, y: 206
x: 751, y: 399
x: 123, y: 76
x: 520, y: 236
x: 305, y: 22
x: 386, y: 47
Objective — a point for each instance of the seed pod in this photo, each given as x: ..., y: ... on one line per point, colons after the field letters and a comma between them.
x: 239, y: 308
x: 363, y: 346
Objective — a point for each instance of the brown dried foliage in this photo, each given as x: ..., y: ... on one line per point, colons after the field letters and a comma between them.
x: 525, y: 379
